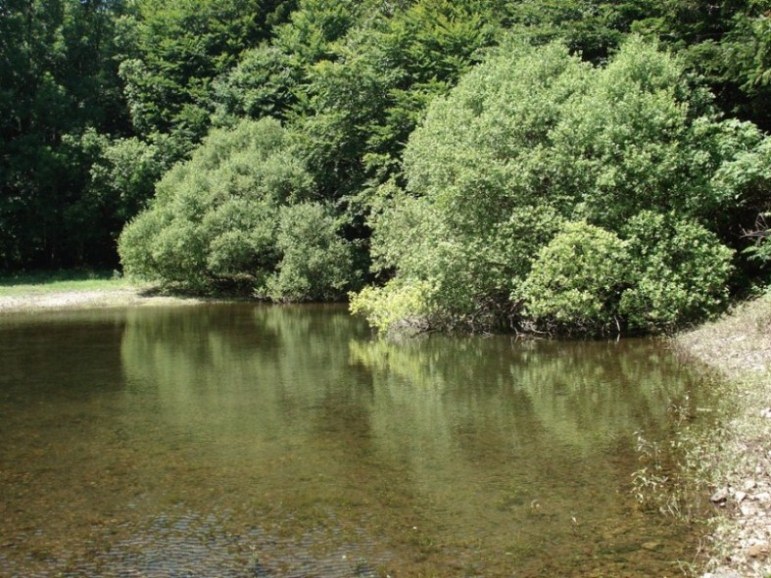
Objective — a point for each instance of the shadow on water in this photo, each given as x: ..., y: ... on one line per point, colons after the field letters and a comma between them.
x: 242, y: 440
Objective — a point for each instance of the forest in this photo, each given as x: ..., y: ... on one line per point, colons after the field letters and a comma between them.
x: 560, y: 166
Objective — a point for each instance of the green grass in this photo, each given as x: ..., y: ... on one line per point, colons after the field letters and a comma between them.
x: 36, y: 283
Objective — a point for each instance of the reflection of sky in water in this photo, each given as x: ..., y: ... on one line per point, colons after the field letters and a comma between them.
x: 243, y: 440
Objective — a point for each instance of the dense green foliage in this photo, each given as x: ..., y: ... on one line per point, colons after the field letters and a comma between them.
x: 545, y: 190
x: 240, y: 214
x: 577, y: 278
x: 89, y: 87
x: 662, y: 274
x: 57, y: 76
x: 459, y: 154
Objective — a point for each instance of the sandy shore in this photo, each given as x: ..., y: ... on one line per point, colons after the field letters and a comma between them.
x: 737, y: 455
x: 124, y: 297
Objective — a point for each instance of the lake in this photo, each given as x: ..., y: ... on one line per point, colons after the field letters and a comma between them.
x: 243, y: 440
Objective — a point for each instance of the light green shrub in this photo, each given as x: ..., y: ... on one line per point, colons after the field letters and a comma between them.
x: 242, y: 235
x: 137, y: 258
x: 235, y: 215
x: 533, y: 138
x: 395, y: 307
x: 577, y: 279
x: 679, y: 272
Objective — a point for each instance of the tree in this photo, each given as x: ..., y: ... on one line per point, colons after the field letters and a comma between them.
x: 366, y: 95
x: 725, y: 42
x: 239, y: 216
x: 534, y: 139
x: 176, y: 51
x: 57, y: 78
x: 592, y: 29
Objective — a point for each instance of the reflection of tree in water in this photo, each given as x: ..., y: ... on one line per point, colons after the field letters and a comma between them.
x: 584, y: 392
x: 446, y: 450
x: 280, y: 355
x: 521, y: 439
x: 264, y: 391
x: 259, y: 403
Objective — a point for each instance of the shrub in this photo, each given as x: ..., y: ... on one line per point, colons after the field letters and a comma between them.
x: 242, y: 238
x: 576, y: 281
x: 679, y: 272
x: 316, y: 263
x: 395, y: 306
x: 533, y: 138
x: 235, y: 215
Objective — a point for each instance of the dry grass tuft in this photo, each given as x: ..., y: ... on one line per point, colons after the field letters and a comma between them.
x: 739, y: 344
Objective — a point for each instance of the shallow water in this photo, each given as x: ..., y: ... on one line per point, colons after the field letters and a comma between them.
x: 242, y: 440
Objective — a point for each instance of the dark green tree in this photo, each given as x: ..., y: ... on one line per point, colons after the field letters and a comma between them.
x: 728, y: 43
x: 58, y: 77
x: 174, y: 52
x: 591, y: 28
x: 366, y: 96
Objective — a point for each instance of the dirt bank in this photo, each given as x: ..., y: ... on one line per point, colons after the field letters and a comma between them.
x: 737, y: 456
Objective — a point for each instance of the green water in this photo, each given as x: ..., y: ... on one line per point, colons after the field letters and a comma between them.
x: 241, y: 440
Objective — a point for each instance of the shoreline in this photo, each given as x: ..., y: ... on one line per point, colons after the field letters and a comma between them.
x: 128, y: 296
x: 735, y: 457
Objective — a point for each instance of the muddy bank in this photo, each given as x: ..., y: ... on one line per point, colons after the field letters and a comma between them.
x: 737, y: 455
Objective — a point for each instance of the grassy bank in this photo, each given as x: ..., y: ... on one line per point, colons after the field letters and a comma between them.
x: 29, y: 293
x: 736, y: 455
x: 53, y: 282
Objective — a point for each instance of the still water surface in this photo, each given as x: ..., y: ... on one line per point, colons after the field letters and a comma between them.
x: 241, y: 440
